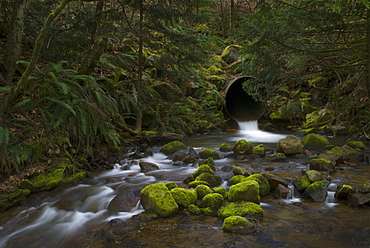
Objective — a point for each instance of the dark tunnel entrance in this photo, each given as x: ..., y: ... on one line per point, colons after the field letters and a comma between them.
x: 240, y: 106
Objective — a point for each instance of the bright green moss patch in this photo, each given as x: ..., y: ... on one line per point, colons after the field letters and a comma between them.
x: 213, y: 201
x: 172, y: 147
x: 13, y: 199
x: 203, y: 190
x: 245, y: 209
x: 238, y: 224
x: 208, y: 153
x: 184, y: 197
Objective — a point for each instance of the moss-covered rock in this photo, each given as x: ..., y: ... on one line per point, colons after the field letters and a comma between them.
x: 238, y: 224
x: 264, y: 186
x: 343, y: 191
x: 321, y: 164
x: 314, y: 140
x: 209, y: 153
x: 211, y: 179
x: 242, y: 171
x: 245, y: 191
x: 225, y: 147
x: 204, y: 168
x: 13, y: 199
x: 237, y: 179
x: 196, y: 183
x: 220, y: 190
x: 158, y: 199
x: 213, y: 201
x: 171, y: 185
x: 313, y: 176
x: 231, y: 54
x: 245, y: 209
x: 193, y: 209
x: 289, y: 145
x: 364, y: 188
x: 317, y: 191
x: 259, y: 150
x: 172, y: 147
x: 318, y: 118
x: 302, y: 183
x: 276, y: 157
x: 242, y: 147
x: 184, y: 197
x: 208, y: 161
x: 356, y: 144
x: 203, y: 190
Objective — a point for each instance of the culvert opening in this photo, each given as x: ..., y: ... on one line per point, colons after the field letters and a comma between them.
x: 240, y: 106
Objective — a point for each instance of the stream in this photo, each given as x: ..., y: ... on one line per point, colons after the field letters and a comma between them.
x: 85, y: 214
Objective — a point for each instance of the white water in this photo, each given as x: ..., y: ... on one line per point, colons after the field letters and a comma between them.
x: 249, y: 130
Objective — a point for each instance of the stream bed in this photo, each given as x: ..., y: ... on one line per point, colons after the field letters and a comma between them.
x: 85, y: 215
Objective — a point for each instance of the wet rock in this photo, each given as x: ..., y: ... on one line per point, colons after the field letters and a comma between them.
x: 245, y: 191
x: 158, y: 198
x: 209, y: 153
x: 242, y: 171
x: 172, y: 147
x: 225, y: 148
x: 317, y: 191
x: 289, y: 145
x: 315, y: 140
x: 244, y: 208
x: 227, y: 168
x: 343, y: 191
x: 242, y: 147
x: 208, y: 161
x: 301, y: 183
x: 238, y: 224
x: 283, y: 191
x: 364, y: 188
x: 276, y: 157
x: 178, y: 163
x: 125, y: 200
x: 358, y: 199
x: 184, y: 197
x: 313, y: 176
x: 259, y: 150
x: 147, y: 166
x: 274, y: 181
x: 321, y: 164
x: 356, y: 144
x: 328, y: 155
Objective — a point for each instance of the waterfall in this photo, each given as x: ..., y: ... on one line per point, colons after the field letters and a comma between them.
x: 249, y: 131
x: 290, y: 195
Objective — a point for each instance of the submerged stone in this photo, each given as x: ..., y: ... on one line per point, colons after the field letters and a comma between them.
x: 245, y: 209
x: 238, y: 224
x: 157, y: 198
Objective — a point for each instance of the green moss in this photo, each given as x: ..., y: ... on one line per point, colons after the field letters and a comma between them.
x: 184, y: 197
x: 356, y: 144
x: 194, y: 184
x: 237, y: 179
x: 172, y: 147
x: 210, y: 162
x: 242, y: 147
x: 315, y: 140
x: 245, y: 209
x: 302, y: 183
x: 238, y: 224
x: 194, y: 209
x: 171, y: 185
x: 204, y: 168
x: 245, y: 191
x: 203, y: 190
x: 213, y: 201
x: 208, y: 153
x: 213, y: 180
x: 336, y: 151
x: 225, y: 147
x: 259, y: 150
x: 220, y: 190
x: 264, y: 186
x: 13, y: 199
x: 321, y: 164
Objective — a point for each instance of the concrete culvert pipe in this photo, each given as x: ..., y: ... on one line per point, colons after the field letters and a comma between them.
x: 241, y: 106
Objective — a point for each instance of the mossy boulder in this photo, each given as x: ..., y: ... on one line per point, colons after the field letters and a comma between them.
x: 314, y: 140
x: 276, y: 157
x: 209, y: 153
x: 343, y: 191
x: 245, y: 191
x: 225, y: 147
x: 238, y: 224
x: 193, y: 209
x: 289, y: 145
x: 204, y: 168
x: 231, y: 54
x: 364, y: 188
x: 171, y: 185
x: 208, y: 161
x: 203, y: 190
x: 302, y: 183
x: 321, y: 164
x: 172, y: 147
x: 237, y: 179
x: 259, y: 150
x: 184, y: 197
x: 356, y: 144
x: 264, y: 186
x: 211, y: 179
x: 245, y: 209
x: 313, y: 176
x: 220, y: 190
x: 317, y: 191
x: 213, y: 201
x: 196, y: 183
x: 242, y: 171
x: 158, y: 199
x: 242, y: 147
x: 13, y: 199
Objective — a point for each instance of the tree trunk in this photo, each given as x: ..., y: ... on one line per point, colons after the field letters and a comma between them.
x: 139, y: 112
x: 22, y: 83
x: 367, y: 59
x: 14, y: 40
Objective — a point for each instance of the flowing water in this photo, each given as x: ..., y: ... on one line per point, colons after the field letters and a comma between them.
x: 98, y: 212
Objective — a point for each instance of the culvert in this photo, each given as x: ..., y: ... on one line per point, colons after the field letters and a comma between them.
x: 240, y: 106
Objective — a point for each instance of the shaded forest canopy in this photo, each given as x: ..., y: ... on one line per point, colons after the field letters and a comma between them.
x: 80, y: 77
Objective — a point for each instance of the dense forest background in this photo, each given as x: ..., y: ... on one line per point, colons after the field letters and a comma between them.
x: 79, y: 77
